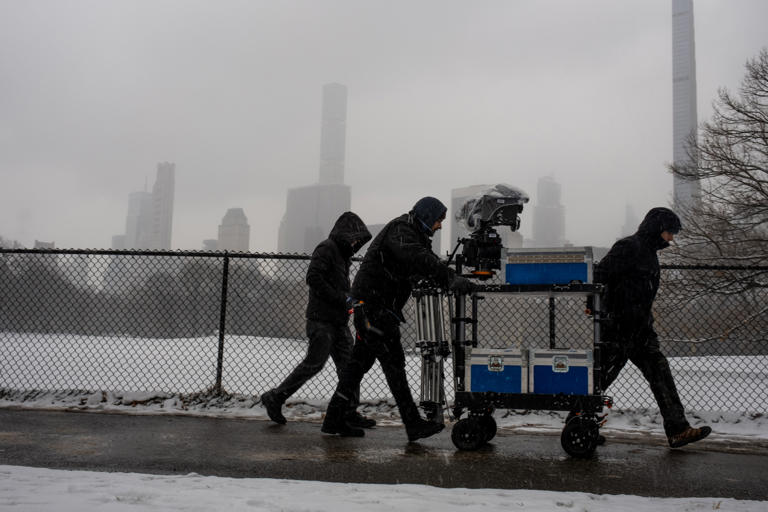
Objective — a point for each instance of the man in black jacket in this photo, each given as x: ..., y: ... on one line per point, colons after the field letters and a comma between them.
x: 400, y: 253
x: 327, y: 314
x: 630, y: 273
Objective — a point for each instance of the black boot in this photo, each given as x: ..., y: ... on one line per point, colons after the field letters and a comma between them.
x: 274, y: 407
x: 422, y: 428
x: 335, y: 421
x: 355, y: 419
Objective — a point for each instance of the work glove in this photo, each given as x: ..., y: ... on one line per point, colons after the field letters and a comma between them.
x: 462, y: 285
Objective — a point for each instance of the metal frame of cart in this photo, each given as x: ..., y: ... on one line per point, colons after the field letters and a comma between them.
x: 580, y: 435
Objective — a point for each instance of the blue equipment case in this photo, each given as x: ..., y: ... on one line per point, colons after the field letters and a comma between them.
x: 549, y: 266
x: 498, y: 370
x: 564, y: 371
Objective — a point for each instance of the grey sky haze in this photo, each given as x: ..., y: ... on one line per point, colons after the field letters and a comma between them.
x: 442, y: 94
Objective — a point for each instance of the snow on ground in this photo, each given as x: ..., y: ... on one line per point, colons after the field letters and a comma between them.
x: 34, y: 489
x: 25, y: 489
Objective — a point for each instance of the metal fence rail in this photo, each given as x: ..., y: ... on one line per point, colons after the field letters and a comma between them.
x: 190, y: 322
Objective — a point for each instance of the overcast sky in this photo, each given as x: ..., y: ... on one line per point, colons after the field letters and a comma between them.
x: 442, y: 94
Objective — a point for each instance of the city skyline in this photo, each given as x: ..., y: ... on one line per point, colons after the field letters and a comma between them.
x: 503, y: 92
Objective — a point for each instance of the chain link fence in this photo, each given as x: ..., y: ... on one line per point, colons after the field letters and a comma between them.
x: 201, y: 322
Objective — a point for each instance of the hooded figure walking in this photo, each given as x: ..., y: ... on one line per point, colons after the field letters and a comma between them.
x: 400, y: 253
x: 630, y: 273
x: 327, y: 315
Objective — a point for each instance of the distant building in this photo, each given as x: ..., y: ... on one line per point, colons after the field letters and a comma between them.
x: 148, y: 224
x: 311, y: 211
x: 44, y: 245
x: 333, y: 134
x: 162, y: 206
x: 630, y: 221
x: 309, y: 216
x: 548, y: 215
x: 211, y: 244
x: 138, y: 222
x: 234, y: 231
x: 684, y: 117
x: 6, y: 243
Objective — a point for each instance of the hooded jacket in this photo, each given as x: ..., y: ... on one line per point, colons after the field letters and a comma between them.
x: 400, y: 254
x: 630, y: 273
x: 328, y: 272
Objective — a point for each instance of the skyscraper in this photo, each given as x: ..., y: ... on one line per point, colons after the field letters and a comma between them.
x: 162, y: 206
x: 333, y: 134
x: 312, y: 210
x: 138, y: 222
x: 686, y: 193
x: 148, y: 224
x: 234, y: 231
x: 548, y: 214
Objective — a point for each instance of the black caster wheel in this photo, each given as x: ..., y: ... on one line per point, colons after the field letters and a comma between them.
x: 468, y: 434
x: 579, y: 437
x: 488, y: 424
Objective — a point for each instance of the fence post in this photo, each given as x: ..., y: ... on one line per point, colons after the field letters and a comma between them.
x: 222, y: 322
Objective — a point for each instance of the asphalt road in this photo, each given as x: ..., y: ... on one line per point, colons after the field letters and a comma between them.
x: 256, y: 448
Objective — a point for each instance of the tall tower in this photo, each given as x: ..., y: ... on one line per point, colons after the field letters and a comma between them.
x: 162, y: 206
x: 333, y: 134
x: 686, y: 193
x: 312, y: 210
x: 548, y: 214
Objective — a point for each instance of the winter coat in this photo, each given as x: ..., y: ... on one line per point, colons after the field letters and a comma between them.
x: 328, y: 272
x: 630, y: 273
x: 400, y: 254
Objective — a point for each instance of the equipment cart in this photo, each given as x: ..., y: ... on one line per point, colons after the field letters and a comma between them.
x: 534, y: 378
x: 538, y: 378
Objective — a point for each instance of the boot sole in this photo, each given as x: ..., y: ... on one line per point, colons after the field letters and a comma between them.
x: 342, y: 433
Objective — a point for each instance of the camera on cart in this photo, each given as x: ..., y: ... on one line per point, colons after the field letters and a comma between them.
x: 500, y: 205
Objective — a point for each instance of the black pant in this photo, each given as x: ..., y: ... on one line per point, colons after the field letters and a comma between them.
x: 370, y: 346
x: 324, y: 340
x: 653, y: 364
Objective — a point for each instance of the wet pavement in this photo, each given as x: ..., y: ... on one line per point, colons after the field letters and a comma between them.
x: 257, y: 448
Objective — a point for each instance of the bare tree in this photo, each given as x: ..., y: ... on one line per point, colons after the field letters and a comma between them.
x: 727, y: 230
x: 730, y: 158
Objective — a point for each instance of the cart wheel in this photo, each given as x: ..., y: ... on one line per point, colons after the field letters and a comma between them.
x: 468, y: 434
x: 579, y: 437
x: 488, y: 424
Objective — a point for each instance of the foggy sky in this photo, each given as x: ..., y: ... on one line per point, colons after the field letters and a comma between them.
x: 442, y: 94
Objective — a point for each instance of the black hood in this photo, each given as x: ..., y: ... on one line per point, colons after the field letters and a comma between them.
x: 350, y: 232
x: 656, y: 221
x: 426, y: 212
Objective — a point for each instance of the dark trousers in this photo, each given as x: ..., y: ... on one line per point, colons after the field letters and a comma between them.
x: 324, y: 340
x: 655, y: 368
x: 370, y: 347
